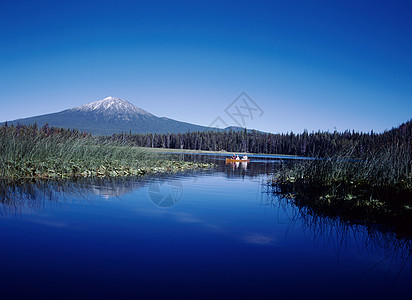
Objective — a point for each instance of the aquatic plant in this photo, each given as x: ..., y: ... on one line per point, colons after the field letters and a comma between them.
x: 387, y: 167
x: 373, y: 189
x: 29, y: 152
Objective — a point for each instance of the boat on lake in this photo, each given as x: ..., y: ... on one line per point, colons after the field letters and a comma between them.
x: 231, y: 160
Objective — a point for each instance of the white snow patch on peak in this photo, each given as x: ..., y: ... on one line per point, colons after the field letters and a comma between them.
x: 112, y: 106
x: 111, y: 98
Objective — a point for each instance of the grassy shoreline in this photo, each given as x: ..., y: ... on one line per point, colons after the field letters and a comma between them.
x: 385, y: 168
x: 374, y: 189
x: 29, y: 154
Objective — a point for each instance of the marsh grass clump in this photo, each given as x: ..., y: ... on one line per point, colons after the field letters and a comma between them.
x: 375, y: 188
x: 29, y: 152
x: 389, y: 167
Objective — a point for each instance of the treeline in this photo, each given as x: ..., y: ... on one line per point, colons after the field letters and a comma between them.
x: 32, y: 131
x: 302, y: 144
x: 320, y: 144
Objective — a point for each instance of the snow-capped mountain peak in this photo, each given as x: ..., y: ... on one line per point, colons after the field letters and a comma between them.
x: 112, y: 106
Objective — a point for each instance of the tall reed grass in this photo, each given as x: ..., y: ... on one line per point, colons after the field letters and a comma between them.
x: 373, y: 189
x: 32, y: 154
x: 389, y: 167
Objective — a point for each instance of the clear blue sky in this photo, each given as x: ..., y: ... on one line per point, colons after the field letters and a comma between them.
x: 307, y: 64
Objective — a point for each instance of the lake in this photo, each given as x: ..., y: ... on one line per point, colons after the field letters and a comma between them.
x: 217, y: 233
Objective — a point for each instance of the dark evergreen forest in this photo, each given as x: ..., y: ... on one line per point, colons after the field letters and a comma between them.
x: 319, y: 144
x: 304, y: 144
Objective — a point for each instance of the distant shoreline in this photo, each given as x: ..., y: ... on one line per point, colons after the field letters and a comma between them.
x: 189, y: 151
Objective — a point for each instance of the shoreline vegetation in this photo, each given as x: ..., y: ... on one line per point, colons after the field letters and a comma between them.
x: 27, y: 152
x: 359, y: 177
x: 375, y: 189
x: 367, y: 183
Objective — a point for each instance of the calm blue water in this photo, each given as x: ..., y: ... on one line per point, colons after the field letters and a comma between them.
x: 212, y: 234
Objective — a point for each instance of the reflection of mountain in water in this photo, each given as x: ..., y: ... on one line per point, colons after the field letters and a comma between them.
x: 29, y: 197
x: 115, y: 188
x: 26, y: 197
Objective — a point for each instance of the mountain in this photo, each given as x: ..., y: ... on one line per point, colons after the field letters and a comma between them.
x: 111, y: 115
